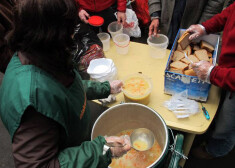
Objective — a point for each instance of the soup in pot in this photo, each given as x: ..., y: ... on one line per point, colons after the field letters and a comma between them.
x: 137, y: 159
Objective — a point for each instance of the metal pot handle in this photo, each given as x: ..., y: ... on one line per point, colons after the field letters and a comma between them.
x: 176, y: 149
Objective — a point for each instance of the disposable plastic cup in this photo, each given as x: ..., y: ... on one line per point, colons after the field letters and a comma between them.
x: 105, y: 39
x: 122, y: 43
x: 114, y: 29
x: 158, y: 45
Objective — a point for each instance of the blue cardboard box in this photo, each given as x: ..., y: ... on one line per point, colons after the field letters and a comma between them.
x: 175, y: 82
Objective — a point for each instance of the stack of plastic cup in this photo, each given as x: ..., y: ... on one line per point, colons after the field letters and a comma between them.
x: 102, y: 69
x: 105, y: 39
x: 115, y: 28
x: 122, y: 43
x: 157, y: 45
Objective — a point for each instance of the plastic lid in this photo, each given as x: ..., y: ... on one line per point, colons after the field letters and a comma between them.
x: 96, y: 21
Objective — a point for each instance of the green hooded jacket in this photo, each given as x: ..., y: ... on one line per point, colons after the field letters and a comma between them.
x: 28, y: 85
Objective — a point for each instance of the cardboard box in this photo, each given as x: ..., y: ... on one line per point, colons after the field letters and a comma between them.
x: 175, y: 83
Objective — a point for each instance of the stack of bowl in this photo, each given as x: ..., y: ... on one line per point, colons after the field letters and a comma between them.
x: 102, y: 69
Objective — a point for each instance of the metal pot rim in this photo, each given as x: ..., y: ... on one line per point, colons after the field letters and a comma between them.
x: 164, y: 150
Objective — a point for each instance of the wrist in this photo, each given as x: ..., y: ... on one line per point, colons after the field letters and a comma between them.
x: 155, y: 15
x: 155, y: 18
x: 121, y: 11
x: 203, y: 28
x: 105, y: 149
x: 208, y: 73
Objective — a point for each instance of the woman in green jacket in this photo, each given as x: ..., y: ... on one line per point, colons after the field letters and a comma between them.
x: 43, y: 101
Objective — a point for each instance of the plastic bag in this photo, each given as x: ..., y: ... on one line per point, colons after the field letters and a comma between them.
x: 87, y: 46
x: 132, y: 25
x: 83, y: 39
x: 181, y: 106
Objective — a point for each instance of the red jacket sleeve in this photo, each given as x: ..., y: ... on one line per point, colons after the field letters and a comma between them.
x: 121, y: 5
x: 223, y: 78
x: 217, y: 22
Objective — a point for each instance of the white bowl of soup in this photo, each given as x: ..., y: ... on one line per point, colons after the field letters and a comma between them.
x: 137, y: 88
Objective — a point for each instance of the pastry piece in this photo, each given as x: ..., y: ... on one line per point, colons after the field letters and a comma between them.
x: 202, y: 55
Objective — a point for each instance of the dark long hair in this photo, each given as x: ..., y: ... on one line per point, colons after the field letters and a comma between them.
x: 43, y: 30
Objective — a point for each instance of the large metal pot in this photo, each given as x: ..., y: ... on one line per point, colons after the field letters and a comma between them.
x: 131, y: 116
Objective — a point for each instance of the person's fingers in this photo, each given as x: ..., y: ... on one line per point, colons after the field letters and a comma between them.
x: 151, y: 30
x: 85, y: 20
x: 193, y: 36
x: 191, y: 29
x: 86, y: 14
x: 155, y: 30
x: 127, y: 142
x: 194, y: 65
x: 119, y: 19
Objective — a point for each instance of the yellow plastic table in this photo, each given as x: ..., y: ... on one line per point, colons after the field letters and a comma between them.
x: 138, y: 60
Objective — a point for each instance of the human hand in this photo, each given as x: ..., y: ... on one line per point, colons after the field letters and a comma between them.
x: 83, y: 15
x: 116, y: 86
x: 196, y: 31
x: 121, y: 17
x: 123, y: 145
x: 203, y: 70
x: 153, y: 28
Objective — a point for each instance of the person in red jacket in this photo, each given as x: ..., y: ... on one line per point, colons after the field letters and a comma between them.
x: 102, y: 8
x: 222, y: 138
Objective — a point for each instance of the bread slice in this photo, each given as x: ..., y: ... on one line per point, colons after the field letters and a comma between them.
x: 196, y: 47
x: 184, y: 40
x: 178, y: 55
x: 179, y: 47
x: 209, y: 54
x: 190, y: 72
x: 192, y: 58
x: 179, y: 65
x: 180, y: 71
x: 188, y: 50
x: 211, y: 61
x: 202, y: 55
x: 207, y: 46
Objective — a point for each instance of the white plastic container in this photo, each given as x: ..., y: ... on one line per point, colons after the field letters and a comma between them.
x: 122, y: 43
x: 102, y: 69
x: 114, y: 29
x: 105, y: 39
x: 158, y: 45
